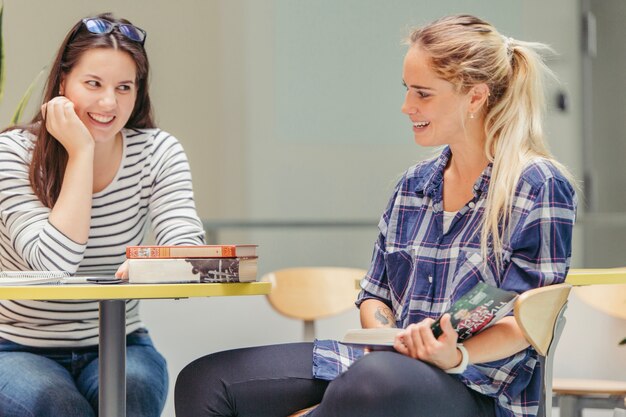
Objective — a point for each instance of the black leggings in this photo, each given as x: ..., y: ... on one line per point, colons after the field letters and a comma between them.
x: 275, y: 381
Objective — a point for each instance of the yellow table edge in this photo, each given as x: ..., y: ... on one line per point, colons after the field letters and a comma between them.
x: 598, y: 276
x: 131, y: 291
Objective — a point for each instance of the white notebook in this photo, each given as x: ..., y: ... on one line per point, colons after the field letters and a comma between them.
x: 39, y: 277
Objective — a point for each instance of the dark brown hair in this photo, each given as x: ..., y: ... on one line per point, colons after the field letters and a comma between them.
x: 49, y: 156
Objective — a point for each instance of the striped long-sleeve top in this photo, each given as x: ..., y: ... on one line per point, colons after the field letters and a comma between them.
x: 152, y: 188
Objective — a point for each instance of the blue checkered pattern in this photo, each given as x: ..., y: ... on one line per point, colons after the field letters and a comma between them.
x: 418, y: 270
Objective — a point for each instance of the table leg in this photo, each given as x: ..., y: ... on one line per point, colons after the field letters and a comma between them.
x: 112, y: 359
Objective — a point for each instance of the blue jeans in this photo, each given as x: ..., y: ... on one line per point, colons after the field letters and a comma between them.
x: 50, y: 382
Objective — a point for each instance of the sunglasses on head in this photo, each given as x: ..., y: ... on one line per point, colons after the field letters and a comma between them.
x: 99, y: 26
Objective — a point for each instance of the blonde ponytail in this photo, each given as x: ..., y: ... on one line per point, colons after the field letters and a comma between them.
x: 467, y: 51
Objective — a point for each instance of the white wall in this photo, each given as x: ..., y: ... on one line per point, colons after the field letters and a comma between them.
x: 290, y: 110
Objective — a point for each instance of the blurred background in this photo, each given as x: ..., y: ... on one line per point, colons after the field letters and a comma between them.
x: 289, y: 111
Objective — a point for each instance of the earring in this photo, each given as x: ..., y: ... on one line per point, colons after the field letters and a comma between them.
x: 471, y: 115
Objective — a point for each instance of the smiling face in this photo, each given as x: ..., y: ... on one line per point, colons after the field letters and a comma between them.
x: 436, y: 110
x: 102, y: 87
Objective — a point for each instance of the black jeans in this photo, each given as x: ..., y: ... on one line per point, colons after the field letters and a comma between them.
x: 275, y: 381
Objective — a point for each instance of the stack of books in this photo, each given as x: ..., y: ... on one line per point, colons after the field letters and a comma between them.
x: 202, y: 263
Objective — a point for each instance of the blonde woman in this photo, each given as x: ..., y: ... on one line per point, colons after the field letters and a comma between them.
x: 494, y: 206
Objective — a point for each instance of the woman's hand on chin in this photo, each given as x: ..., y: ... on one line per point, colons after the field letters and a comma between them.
x: 63, y: 123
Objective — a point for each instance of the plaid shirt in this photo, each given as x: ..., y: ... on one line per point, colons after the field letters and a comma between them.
x: 418, y: 270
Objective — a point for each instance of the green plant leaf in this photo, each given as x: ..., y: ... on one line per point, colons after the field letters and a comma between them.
x: 1, y: 53
x: 25, y: 98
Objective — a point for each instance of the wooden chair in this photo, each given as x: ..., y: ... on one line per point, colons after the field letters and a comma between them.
x: 572, y: 396
x: 540, y: 314
x: 312, y: 293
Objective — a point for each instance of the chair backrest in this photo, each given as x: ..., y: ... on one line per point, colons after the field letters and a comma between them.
x: 540, y: 314
x: 313, y: 293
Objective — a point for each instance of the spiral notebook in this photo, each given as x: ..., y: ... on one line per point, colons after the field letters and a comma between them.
x: 39, y: 278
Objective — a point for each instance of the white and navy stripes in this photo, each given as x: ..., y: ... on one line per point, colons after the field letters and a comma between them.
x: 152, y: 187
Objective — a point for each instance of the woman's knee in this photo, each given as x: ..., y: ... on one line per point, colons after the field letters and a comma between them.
x: 35, y: 385
x: 200, y: 386
x: 146, y: 381
x: 53, y: 402
x: 210, y: 375
x: 205, y: 387
x: 46, y: 403
x: 386, y: 383
x: 384, y: 377
x: 379, y: 368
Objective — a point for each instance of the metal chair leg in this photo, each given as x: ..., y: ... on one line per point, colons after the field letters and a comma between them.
x: 569, y: 406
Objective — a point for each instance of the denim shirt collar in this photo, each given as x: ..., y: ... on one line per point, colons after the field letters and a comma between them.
x: 431, y: 183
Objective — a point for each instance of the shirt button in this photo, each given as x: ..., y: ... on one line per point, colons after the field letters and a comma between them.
x: 430, y: 279
x: 472, y: 204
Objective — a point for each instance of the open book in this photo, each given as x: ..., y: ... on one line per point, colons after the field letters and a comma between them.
x: 380, y: 338
x: 480, y: 307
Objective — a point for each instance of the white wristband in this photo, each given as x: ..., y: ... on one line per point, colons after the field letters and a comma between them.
x: 460, y: 368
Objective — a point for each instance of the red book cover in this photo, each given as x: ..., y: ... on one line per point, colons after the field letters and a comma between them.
x: 188, y: 251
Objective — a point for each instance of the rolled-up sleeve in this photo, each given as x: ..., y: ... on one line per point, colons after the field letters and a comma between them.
x: 375, y: 284
x: 541, y: 246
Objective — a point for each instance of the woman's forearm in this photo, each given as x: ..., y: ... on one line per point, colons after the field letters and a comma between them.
x: 71, y: 214
x: 375, y: 313
x: 499, y: 341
